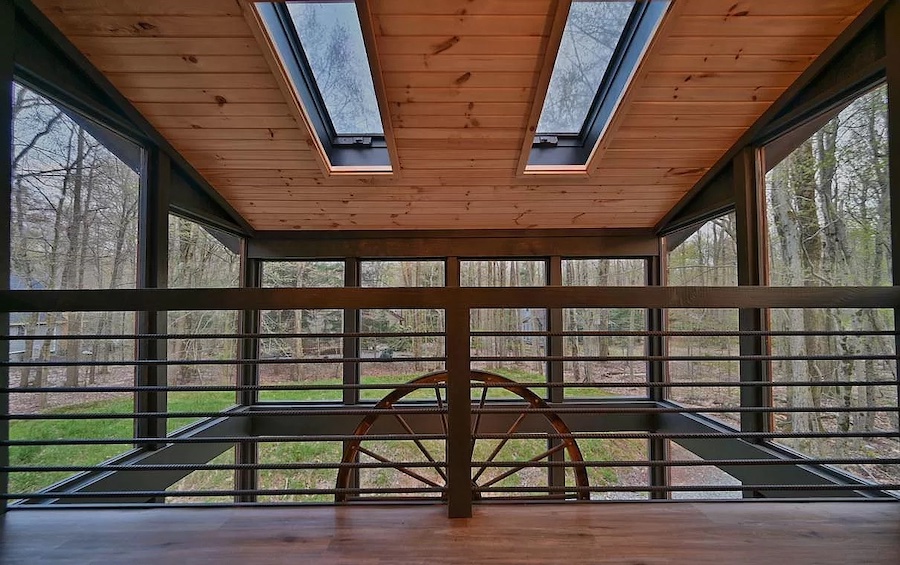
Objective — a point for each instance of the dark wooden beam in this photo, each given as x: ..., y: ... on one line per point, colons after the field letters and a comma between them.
x: 459, y: 243
x: 570, y: 297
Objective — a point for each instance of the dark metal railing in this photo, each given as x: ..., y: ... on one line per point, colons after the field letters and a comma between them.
x: 527, y: 438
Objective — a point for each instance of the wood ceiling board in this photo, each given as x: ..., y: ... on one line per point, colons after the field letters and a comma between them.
x: 456, y: 45
x: 471, y: 70
x: 169, y: 46
x: 143, y: 7
x: 206, y: 95
x: 461, y: 8
x: 188, y: 63
x: 719, y: 79
x: 456, y: 80
x: 465, y: 25
x: 96, y: 26
x: 127, y: 81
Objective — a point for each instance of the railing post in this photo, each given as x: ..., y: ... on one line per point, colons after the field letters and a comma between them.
x: 658, y: 371
x: 7, y: 28
x: 152, y: 272
x: 555, y: 369
x: 892, y: 50
x: 247, y: 452
x: 351, y: 348
x: 459, y: 417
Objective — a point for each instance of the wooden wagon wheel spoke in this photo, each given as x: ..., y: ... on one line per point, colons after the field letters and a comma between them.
x: 421, y: 446
x: 512, y: 429
x: 518, y: 468
x: 486, y: 380
x: 399, y: 467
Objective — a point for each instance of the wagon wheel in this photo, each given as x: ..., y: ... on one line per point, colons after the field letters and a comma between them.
x: 354, y: 447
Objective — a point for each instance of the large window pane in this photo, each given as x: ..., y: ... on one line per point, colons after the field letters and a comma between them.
x: 828, y: 202
x: 75, y: 193
x: 707, y: 258
x: 303, y: 334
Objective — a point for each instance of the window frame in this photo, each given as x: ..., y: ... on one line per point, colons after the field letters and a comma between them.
x: 363, y: 152
x: 565, y: 149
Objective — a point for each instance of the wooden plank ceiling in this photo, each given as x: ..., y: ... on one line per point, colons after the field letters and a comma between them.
x: 460, y: 77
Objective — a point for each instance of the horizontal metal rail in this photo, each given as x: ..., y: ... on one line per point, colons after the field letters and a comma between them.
x: 487, y: 410
x: 432, y: 386
x: 625, y: 358
x: 223, y: 492
x: 219, y: 362
x: 473, y: 333
x: 412, y: 437
x: 692, y: 488
x: 475, y: 463
x: 236, y: 335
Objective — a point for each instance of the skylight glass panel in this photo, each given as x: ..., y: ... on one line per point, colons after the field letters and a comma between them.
x: 592, y: 33
x: 332, y: 41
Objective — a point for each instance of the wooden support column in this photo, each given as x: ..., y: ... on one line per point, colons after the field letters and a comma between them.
x: 7, y: 25
x: 658, y: 371
x: 892, y: 50
x: 152, y: 273
x: 555, y: 369
x: 247, y: 452
x: 459, y: 418
x: 752, y: 267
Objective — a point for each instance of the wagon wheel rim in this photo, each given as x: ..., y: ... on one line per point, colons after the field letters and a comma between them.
x: 567, y: 444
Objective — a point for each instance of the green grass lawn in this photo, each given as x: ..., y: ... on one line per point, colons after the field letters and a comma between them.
x: 515, y: 450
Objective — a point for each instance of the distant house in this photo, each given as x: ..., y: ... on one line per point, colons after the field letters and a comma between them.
x: 21, y: 325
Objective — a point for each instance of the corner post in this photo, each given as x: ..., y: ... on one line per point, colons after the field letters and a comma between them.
x: 658, y: 371
x: 752, y: 270
x: 351, y: 349
x: 555, y: 369
x: 247, y: 452
x: 152, y: 272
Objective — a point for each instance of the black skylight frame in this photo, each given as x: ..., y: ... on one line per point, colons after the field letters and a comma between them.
x: 549, y: 149
x: 357, y: 150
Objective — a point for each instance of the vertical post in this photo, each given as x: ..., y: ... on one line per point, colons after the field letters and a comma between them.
x: 152, y: 272
x: 7, y: 25
x: 555, y: 369
x: 658, y: 371
x: 752, y: 271
x: 246, y: 452
x: 892, y: 49
x: 459, y: 417
x: 351, y: 348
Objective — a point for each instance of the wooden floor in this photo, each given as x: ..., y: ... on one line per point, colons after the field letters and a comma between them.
x: 690, y: 533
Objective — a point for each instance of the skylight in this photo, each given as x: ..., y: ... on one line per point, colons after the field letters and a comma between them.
x: 321, y: 46
x: 589, y: 39
x: 601, y: 45
x: 332, y: 41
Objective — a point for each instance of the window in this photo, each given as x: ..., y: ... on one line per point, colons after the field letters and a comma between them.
x: 602, y: 44
x: 321, y: 48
